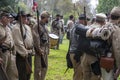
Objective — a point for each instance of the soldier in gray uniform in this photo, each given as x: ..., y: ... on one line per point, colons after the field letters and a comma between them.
x: 75, y: 54
x: 89, y: 60
x: 56, y: 28
x: 112, y: 30
x: 115, y: 20
x: 7, y: 52
x: 23, y: 39
x: 41, y: 44
x: 70, y: 25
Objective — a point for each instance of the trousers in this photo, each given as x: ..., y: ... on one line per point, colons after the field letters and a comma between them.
x: 78, y: 75
x: 9, y: 64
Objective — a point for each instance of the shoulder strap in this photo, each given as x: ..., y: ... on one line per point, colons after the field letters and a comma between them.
x: 24, y: 36
x: 3, y: 39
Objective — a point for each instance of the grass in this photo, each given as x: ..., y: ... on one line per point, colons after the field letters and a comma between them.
x: 57, y: 64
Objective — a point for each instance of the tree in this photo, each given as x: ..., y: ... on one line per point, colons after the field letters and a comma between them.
x: 9, y: 5
x: 84, y: 3
x: 107, y: 5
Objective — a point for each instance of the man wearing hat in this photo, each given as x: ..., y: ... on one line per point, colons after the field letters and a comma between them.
x: 41, y: 44
x: 100, y: 20
x: 88, y: 60
x: 112, y: 28
x: 7, y: 47
x: 75, y: 53
x: 56, y: 28
x: 115, y: 20
x: 23, y: 39
x: 70, y: 25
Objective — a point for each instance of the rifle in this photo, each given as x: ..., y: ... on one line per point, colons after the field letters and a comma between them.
x: 85, y: 16
x: 42, y: 58
x: 28, y: 67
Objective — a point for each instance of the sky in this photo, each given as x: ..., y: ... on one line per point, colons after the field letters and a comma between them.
x: 92, y: 2
x: 93, y: 6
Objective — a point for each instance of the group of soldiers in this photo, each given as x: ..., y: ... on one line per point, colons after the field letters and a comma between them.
x: 94, y: 50
x: 20, y: 38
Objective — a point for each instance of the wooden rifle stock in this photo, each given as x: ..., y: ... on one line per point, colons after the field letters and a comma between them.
x: 28, y: 67
x: 20, y: 21
x: 42, y: 58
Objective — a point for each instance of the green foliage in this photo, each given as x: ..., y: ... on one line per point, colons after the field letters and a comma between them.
x: 9, y: 5
x: 63, y: 8
x: 12, y: 5
x: 107, y: 5
x: 23, y: 6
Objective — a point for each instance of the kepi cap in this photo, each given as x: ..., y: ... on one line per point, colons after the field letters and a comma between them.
x: 83, y: 17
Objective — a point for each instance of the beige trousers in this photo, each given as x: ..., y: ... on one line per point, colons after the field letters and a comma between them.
x: 86, y: 62
x: 78, y: 75
x: 9, y: 63
x: 107, y: 75
x: 40, y: 72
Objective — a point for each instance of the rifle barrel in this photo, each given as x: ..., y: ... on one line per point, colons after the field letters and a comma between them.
x: 85, y: 15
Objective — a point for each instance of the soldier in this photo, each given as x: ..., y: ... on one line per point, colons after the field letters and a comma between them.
x: 62, y: 29
x: 7, y: 47
x: 99, y: 20
x: 75, y: 54
x: 91, y: 59
x: 24, y: 45
x: 115, y: 20
x: 31, y: 22
x: 110, y: 32
x: 113, y: 39
x: 70, y: 24
x: 88, y: 61
x: 56, y: 28
x: 41, y: 44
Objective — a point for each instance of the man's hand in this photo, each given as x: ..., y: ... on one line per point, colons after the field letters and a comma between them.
x: 41, y: 52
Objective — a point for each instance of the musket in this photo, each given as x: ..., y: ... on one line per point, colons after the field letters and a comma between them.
x: 42, y: 58
x: 28, y: 67
x: 85, y: 21
x: 20, y: 21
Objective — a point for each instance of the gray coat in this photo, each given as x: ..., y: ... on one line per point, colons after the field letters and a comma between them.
x: 73, y: 40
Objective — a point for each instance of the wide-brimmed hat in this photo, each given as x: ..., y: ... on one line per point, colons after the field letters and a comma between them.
x: 101, y: 17
x: 115, y: 13
x: 3, y: 13
x: 45, y: 14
